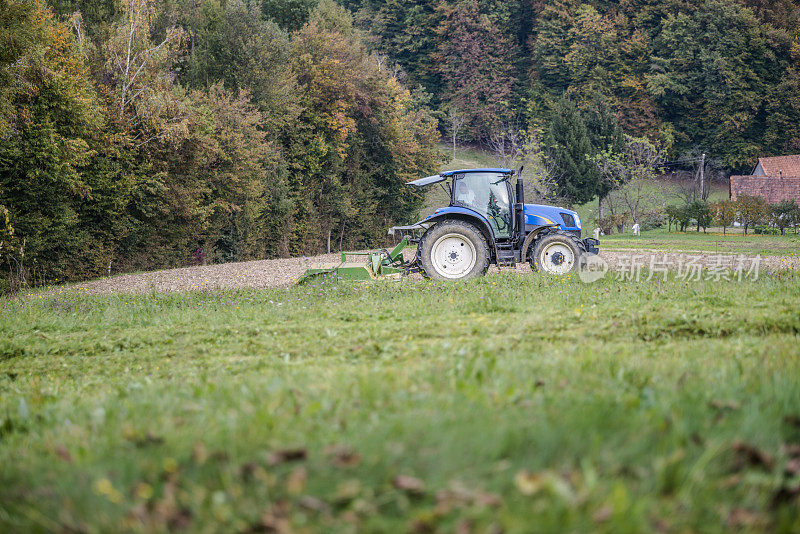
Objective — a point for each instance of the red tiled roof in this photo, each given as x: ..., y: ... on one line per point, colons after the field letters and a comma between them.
x: 786, y: 166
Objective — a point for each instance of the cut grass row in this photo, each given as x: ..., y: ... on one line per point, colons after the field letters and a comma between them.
x: 520, y: 402
x: 714, y: 241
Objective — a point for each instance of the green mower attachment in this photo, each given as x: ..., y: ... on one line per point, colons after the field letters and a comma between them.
x: 380, y: 264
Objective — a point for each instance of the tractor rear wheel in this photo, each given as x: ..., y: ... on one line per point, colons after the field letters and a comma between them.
x: 556, y: 253
x: 453, y: 250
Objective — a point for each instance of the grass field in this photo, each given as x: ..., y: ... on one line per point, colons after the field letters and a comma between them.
x: 513, y: 402
x: 713, y: 241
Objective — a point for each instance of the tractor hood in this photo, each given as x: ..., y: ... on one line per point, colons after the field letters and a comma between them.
x: 538, y: 214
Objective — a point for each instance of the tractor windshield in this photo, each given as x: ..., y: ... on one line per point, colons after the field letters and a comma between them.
x: 486, y: 193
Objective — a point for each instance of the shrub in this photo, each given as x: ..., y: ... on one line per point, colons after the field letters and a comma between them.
x: 699, y: 212
x: 652, y: 219
x: 724, y: 213
x: 783, y: 214
x: 679, y: 216
x: 751, y: 210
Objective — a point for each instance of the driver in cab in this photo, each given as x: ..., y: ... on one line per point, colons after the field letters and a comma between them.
x: 465, y: 195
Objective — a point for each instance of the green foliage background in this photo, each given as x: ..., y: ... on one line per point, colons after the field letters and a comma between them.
x: 252, y: 129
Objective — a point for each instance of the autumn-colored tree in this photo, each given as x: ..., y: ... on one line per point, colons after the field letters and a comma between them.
x: 356, y: 141
x: 141, y: 76
x: 50, y: 125
x: 473, y: 60
x: 724, y: 213
x: 751, y: 210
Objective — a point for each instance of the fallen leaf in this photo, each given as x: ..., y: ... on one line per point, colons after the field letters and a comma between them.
x: 749, y: 455
x: 739, y: 517
x: 725, y: 404
x: 792, y: 450
x: 531, y: 483
x: 602, y: 514
x: 144, y: 491
x: 528, y: 483
x: 347, y: 490
x: 199, y: 453
x: 297, y: 480
x: 63, y: 453
x: 314, y: 504
x: 458, y: 496
x: 343, y: 456
x: 287, y: 455
x: 276, y: 519
x: 409, y: 484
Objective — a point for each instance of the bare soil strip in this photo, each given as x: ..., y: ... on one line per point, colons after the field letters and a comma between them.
x: 285, y: 272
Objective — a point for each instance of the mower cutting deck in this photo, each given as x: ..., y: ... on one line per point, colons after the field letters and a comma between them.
x: 380, y: 264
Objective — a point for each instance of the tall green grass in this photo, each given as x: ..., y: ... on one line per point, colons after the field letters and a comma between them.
x: 521, y: 403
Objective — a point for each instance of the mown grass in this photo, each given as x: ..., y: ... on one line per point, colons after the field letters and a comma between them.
x: 517, y: 402
x: 713, y: 241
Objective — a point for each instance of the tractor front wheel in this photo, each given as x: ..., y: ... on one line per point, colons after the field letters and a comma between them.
x: 453, y: 250
x: 556, y: 253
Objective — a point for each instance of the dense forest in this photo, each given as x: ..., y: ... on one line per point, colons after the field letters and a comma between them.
x: 146, y: 133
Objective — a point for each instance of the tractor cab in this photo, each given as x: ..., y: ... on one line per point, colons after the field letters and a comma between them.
x: 489, y: 194
x: 486, y: 193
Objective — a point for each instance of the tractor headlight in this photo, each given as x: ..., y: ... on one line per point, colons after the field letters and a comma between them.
x: 578, y: 221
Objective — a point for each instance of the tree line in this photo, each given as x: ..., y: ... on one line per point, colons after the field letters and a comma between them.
x: 748, y: 210
x: 148, y: 133
x: 138, y: 134
x: 717, y: 76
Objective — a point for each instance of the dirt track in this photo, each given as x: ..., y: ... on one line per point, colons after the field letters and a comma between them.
x: 284, y: 272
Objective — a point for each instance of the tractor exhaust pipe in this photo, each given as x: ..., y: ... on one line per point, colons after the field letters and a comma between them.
x: 519, y: 207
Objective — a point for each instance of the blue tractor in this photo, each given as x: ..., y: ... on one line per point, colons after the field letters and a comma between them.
x: 487, y: 221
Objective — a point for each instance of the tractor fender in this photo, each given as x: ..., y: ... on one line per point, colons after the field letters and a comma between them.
x: 531, y: 237
x: 463, y: 214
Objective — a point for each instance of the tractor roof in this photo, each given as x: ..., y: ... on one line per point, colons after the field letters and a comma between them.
x: 444, y: 175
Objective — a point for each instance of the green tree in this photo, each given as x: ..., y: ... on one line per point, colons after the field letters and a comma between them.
x: 288, y: 14
x: 233, y: 45
x: 783, y: 214
x: 567, y: 141
x: 717, y: 75
x: 701, y: 213
x: 605, y: 134
x: 405, y: 32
